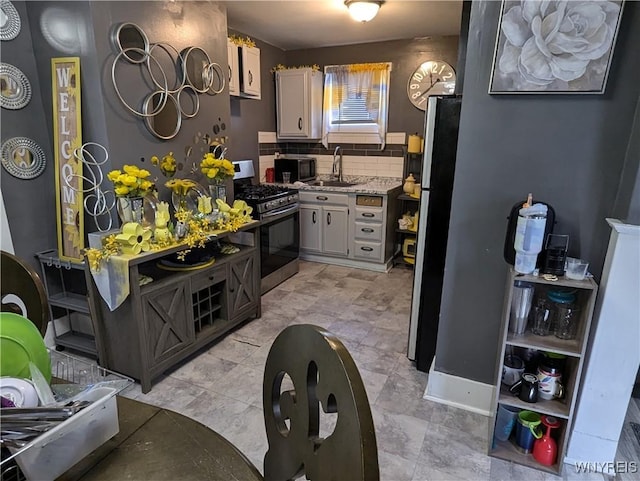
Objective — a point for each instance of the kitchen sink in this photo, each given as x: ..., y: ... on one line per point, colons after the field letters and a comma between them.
x: 333, y: 183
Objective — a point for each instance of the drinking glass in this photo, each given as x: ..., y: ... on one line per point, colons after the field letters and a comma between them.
x: 542, y: 318
x: 567, y: 317
x: 286, y: 177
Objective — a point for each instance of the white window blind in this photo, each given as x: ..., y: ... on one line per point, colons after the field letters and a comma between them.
x: 355, y: 101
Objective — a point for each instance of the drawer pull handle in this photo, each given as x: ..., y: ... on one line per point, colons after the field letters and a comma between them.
x: 368, y: 214
x: 368, y: 231
x: 322, y: 197
x: 367, y: 249
x: 299, y: 123
x: 328, y: 218
x: 313, y: 217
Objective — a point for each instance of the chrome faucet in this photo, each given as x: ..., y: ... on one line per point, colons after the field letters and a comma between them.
x: 337, y: 160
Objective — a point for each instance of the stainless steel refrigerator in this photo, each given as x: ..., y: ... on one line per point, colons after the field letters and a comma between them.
x: 442, y: 118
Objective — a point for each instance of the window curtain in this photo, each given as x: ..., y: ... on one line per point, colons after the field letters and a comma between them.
x: 356, y: 100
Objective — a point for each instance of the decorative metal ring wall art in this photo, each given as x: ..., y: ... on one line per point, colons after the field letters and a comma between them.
x: 163, y: 109
x: 15, y: 89
x: 23, y: 158
x: 9, y: 21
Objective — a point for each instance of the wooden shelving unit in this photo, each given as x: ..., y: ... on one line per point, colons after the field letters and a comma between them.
x: 574, y: 350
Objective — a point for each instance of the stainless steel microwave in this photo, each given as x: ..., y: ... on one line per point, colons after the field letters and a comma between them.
x: 302, y: 168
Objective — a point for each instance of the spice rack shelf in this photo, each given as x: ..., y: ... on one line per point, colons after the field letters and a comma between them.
x: 562, y: 408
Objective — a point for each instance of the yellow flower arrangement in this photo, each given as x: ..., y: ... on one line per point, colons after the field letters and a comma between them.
x: 180, y: 186
x: 216, y: 169
x: 96, y: 257
x: 167, y: 165
x: 132, y: 182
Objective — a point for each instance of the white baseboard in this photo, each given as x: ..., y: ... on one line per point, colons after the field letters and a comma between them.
x: 340, y: 261
x: 459, y: 392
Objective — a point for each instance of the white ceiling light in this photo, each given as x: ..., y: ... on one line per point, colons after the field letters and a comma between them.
x: 363, y: 10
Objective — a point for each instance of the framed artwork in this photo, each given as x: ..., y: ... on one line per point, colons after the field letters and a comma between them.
x: 562, y: 47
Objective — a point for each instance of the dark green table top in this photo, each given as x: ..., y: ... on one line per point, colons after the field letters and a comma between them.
x: 158, y: 444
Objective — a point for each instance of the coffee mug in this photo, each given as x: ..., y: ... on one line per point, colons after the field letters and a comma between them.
x: 550, y: 385
x: 526, y: 388
x: 512, y: 370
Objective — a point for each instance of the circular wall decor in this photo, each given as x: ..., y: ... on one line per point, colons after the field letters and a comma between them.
x: 166, y: 119
x: 132, y: 41
x: 23, y: 158
x: 15, y: 89
x: 9, y: 21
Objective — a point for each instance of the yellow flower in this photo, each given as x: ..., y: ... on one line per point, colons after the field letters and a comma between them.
x: 113, y: 175
x: 122, y: 190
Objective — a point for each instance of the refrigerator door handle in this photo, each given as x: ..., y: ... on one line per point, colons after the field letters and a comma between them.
x: 417, y: 274
x: 429, y: 129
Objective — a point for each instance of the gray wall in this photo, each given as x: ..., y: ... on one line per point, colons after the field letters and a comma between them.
x: 627, y: 206
x: 406, y: 56
x: 567, y: 150
x: 30, y: 204
x: 82, y: 29
x: 248, y: 116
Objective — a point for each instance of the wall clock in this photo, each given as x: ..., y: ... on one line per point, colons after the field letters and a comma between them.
x: 433, y: 77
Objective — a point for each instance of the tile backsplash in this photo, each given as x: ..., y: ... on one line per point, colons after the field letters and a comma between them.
x: 357, y: 159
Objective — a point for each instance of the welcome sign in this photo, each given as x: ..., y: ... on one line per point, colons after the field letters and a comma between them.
x: 67, y: 136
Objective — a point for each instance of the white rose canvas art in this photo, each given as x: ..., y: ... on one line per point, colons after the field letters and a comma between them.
x: 553, y: 46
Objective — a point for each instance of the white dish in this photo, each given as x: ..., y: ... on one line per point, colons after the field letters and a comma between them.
x: 20, y: 392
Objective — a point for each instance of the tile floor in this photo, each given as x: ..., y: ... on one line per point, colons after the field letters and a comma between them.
x: 418, y: 440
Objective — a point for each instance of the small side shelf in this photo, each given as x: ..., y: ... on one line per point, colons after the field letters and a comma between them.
x: 68, y: 302
x: 545, y: 343
x: 408, y: 197
x: 406, y: 231
x: 530, y: 347
x: 554, y: 407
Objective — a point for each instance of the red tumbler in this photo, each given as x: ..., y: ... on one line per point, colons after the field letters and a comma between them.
x: 270, y: 175
x: 545, y: 449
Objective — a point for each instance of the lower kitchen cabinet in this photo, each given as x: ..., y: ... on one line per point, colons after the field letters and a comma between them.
x: 335, y: 230
x: 162, y: 322
x: 350, y: 229
x: 324, y: 223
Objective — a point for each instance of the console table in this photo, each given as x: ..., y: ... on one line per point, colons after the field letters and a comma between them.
x: 161, y: 323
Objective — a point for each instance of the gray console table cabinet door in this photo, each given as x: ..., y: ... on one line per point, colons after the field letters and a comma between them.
x: 242, y: 288
x: 166, y: 326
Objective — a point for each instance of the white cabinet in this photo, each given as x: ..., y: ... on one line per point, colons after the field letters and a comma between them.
x: 234, y: 72
x: 310, y: 230
x: 244, y: 70
x: 299, y: 103
x: 250, y: 63
x: 335, y: 230
x: 324, y: 223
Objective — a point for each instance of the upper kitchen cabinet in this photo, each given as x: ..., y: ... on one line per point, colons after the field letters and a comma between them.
x: 299, y: 103
x: 234, y: 71
x: 244, y: 70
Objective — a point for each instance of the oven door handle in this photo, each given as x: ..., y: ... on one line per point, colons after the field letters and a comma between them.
x: 284, y: 210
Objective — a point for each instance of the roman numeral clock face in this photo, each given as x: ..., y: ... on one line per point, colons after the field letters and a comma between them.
x: 431, y: 78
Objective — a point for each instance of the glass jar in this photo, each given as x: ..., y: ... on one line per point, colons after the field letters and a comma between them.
x: 565, y: 313
x: 542, y: 318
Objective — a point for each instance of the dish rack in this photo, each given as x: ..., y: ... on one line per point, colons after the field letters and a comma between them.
x: 55, y: 451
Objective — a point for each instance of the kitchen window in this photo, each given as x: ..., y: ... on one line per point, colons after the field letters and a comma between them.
x: 356, y: 99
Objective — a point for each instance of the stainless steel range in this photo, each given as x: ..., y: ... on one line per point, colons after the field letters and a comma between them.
x: 278, y: 209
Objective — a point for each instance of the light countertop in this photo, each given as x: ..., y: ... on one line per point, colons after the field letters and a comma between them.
x: 363, y: 185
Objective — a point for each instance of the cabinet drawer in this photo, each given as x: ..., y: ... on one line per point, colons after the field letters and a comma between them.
x: 209, y: 277
x: 369, y: 213
x: 367, y: 250
x: 319, y: 197
x: 368, y: 231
